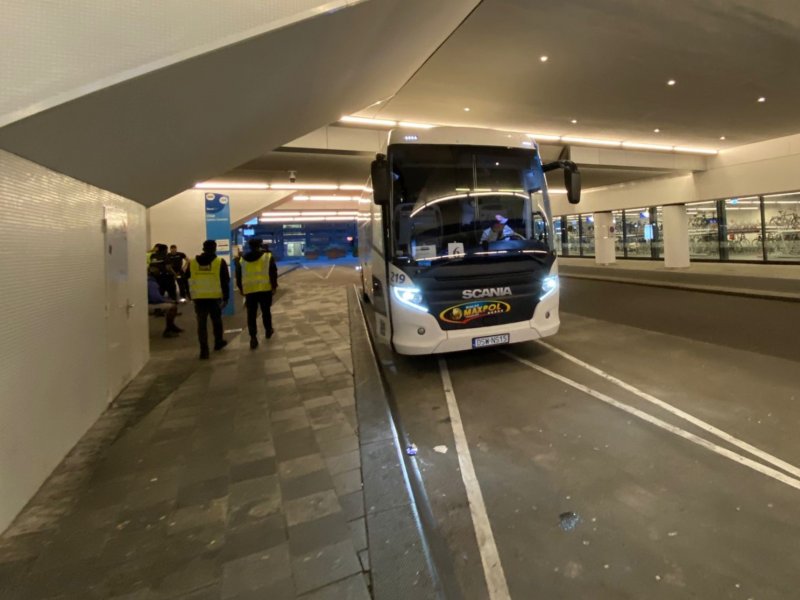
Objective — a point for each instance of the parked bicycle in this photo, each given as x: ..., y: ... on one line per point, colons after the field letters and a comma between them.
x: 785, y: 220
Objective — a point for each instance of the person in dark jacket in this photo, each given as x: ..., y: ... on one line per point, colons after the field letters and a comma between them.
x: 178, y: 263
x: 170, y: 309
x: 159, y: 267
x: 209, y: 284
x: 257, y: 279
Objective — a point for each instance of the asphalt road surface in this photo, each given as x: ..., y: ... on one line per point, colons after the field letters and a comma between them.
x: 649, y: 450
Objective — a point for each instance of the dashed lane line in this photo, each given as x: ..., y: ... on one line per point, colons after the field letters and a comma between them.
x: 696, y: 439
x: 723, y: 435
x: 490, y: 559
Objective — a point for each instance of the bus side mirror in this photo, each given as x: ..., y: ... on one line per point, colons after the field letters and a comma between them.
x: 572, y: 178
x: 381, y: 184
x: 572, y: 181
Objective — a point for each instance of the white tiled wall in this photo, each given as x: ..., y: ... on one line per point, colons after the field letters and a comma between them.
x: 54, y: 51
x: 53, y: 365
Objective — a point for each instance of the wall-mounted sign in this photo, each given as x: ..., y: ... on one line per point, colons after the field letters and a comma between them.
x: 218, y: 228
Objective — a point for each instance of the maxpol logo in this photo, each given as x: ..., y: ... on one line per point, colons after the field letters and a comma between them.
x: 471, y: 311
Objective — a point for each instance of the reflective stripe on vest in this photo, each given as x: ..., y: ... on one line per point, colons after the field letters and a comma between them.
x: 204, y: 281
x: 255, y: 275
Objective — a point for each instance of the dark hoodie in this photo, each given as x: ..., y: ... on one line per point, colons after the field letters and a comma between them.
x: 254, y: 255
x: 224, y: 273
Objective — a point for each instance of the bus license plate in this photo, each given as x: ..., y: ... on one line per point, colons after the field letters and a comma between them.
x: 490, y: 340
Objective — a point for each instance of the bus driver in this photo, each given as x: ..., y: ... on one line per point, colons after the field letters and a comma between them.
x: 498, y: 230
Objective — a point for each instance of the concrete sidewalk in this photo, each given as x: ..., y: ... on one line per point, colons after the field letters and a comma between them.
x: 234, y: 478
x: 774, y: 282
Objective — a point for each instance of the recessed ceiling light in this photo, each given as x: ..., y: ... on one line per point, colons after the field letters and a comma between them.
x: 671, y: 82
x: 414, y: 125
x: 638, y: 146
x: 368, y: 121
x: 466, y: 109
x: 656, y: 130
x: 230, y: 185
x: 590, y: 141
x: 722, y: 137
x: 762, y: 99
x: 694, y: 150
x: 543, y: 58
x: 574, y: 121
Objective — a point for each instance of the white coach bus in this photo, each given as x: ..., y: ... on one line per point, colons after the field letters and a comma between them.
x: 456, y: 240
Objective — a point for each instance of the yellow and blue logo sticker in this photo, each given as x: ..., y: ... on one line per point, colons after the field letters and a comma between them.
x: 467, y: 312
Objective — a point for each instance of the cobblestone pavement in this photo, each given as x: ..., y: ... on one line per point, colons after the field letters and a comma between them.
x: 237, y: 478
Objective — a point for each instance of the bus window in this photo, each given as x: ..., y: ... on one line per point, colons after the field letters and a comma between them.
x: 540, y: 228
x: 449, y: 200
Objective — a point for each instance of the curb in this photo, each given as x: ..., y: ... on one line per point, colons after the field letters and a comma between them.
x: 690, y: 287
x: 399, y: 554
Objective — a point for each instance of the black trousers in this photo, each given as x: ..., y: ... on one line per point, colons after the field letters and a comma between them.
x: 183, y: 287
x: 166, y: 284
x: 204, y: 309
x: 253, y: 302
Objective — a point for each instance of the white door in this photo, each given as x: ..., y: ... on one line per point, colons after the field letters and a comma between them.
x: 117, y: 300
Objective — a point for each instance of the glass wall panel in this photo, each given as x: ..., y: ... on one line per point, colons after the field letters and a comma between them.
x: 657, y: 221
x: 703, y: 230
x: 558, y: 230
x: 743, y: 229
x: 573, y: 236
x: 587, y: 235
x: 619, y: 233
x: 637, y: 221
x: 782, y: 225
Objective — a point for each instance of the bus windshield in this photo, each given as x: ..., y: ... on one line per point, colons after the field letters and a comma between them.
x: 463, y: 201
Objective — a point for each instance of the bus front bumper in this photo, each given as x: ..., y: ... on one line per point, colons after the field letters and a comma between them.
x: 407, y: 324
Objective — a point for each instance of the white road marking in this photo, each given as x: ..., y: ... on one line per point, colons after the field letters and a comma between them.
x: 723, y: 435
x: 492, y: 567
x: 738, y: 458
x: 315, y: 274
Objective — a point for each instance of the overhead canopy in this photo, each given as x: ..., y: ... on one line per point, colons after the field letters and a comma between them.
x: 150, y: 137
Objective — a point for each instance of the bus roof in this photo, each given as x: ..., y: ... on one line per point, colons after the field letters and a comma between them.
x: 466, y: 136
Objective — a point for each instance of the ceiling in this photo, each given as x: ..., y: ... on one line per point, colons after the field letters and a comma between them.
x: 149, y: 137
x: 310, y: 167
x: 592, y: 177
x: 608, y: 66
x: 314, y: 166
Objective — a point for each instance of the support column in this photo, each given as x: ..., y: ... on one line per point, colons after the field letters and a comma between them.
x: 604, y: 238
x: 676, y: 237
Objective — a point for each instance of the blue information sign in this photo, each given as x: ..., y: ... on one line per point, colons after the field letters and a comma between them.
x: 218, y: 228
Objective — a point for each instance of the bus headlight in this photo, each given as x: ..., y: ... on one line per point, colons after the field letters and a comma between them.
x: 549, y: 286
x: 409, y: 296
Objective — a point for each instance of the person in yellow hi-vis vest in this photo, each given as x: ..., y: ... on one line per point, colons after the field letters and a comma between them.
x: 257, y: 279
x: 209, y: 284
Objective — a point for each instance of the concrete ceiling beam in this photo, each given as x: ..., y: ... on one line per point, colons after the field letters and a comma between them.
x: 152, y: 136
